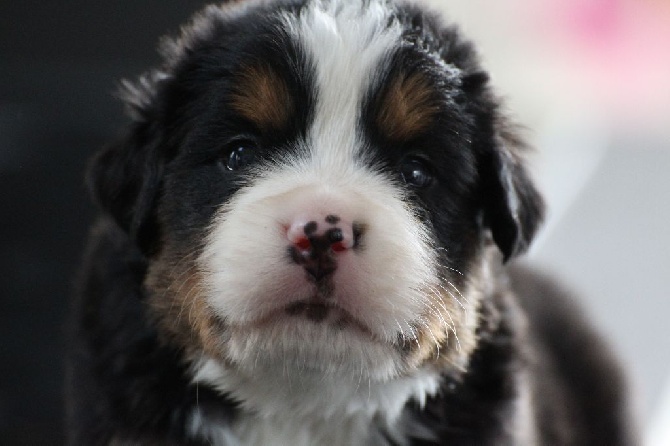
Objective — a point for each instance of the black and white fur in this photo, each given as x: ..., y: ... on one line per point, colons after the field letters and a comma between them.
x: 302, y: 241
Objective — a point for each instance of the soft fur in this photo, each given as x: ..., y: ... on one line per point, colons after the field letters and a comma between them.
x: 302, y: 242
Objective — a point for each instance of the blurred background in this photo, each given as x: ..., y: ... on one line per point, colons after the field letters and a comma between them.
x: 590, y: 79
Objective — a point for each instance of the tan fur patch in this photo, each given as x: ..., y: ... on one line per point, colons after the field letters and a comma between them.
x: 262, y: 96
x: 180, y: 308
x: 447, y: 332
x: 408, y: 107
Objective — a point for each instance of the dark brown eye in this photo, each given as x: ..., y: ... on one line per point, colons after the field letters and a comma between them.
x: 415, y: 172
x: 239, y: 154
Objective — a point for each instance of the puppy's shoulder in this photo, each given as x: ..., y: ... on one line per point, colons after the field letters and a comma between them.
x: 554, y: 314
x: 579, y: 387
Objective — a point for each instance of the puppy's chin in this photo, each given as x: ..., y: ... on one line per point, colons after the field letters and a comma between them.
x: 297, y: 344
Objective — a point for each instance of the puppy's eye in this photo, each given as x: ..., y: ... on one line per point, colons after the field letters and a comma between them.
x: 416, y: 172
x: 239, y: 154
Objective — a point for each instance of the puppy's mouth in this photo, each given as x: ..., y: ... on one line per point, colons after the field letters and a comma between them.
x: 312, y: 310
x: 318, y: 312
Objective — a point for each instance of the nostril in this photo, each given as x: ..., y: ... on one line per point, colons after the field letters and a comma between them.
x: 300, y: 232
x: 337, y: 241
x: 303, y: 244
x: 338, y: 247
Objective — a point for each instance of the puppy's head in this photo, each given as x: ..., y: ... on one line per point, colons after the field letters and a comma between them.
x: 314, y: 185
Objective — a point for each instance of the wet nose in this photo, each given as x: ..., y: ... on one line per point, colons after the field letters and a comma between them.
x: 316, y: 241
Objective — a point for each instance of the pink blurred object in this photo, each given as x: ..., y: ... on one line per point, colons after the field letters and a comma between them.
x: 597, y: 23
x: 619, y: 49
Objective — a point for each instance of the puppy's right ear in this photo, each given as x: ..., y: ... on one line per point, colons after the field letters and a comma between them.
x: 124, y: 179
x: 513, y: 207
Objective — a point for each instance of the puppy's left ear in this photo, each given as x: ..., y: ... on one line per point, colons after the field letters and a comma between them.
x: 513, y: 208
x: 125, y: 177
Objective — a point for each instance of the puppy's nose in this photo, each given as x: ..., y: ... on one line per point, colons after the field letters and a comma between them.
x: 316, y: 241
x: 314, y: 233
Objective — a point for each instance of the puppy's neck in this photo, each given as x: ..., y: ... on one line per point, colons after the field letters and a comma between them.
x: 306, y: 405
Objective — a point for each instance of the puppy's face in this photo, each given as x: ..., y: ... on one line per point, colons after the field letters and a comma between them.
x: 313, y: 186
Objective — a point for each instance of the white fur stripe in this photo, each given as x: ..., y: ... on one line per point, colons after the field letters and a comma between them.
x: 347, y: 42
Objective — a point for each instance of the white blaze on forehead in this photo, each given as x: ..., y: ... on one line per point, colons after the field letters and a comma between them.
x: 346, y: 43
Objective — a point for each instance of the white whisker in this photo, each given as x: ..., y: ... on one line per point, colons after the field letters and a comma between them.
x: 456, y: 299
x: 438, y: 300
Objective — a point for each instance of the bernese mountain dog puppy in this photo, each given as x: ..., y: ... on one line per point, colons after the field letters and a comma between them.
x: 302, y: 242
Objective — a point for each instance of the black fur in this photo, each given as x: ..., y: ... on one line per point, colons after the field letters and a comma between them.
x: 128, y: 383
x: 124, y: 384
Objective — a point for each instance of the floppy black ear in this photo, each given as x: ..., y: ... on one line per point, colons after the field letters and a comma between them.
x: 513, y: 208
x: 124, y: 179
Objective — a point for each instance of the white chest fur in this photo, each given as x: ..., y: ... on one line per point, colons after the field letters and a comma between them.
x: 278, y: 408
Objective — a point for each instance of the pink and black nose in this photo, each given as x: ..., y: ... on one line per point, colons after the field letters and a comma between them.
x: 317, y: 242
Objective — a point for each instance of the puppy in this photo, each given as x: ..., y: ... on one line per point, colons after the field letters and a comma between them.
x: 301, y: 243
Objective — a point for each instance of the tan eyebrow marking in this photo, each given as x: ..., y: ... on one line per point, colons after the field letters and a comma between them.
x: 408, y: 107
x: 262, y: 96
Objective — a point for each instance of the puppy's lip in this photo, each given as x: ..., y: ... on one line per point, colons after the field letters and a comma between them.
x: 310, y: 305
x: 318, y: 310
x: 314, y: 310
